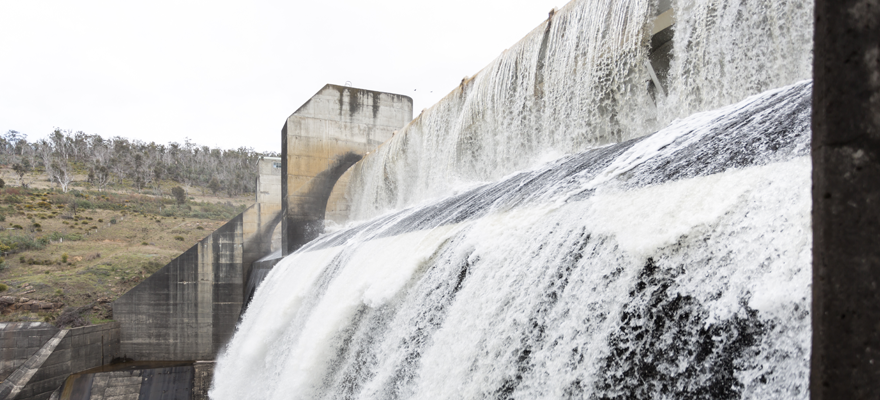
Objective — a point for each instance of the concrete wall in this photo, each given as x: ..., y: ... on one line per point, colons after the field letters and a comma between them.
x: 188, y: 309
x: 338, y: 207
x: 846, y: 201
x: 77, y: 350
x: 19, y: 341
x: 269, y: 180
x: 179, y: 381
x: 327, y: 134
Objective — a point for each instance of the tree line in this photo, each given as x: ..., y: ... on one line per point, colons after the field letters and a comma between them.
x: 120, y: 162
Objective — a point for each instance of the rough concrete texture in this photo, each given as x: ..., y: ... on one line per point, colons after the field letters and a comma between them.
x: 188, y: 309
x: 204, y: 375
x: 338, y: 207
x: 846, y: 201
x: 174, y: 382
x: 269, y: 180
x: 304, y: 214
x: 16, y: 382
x: 67, y: 352
x: 19, y: 341
x: 330, y: 129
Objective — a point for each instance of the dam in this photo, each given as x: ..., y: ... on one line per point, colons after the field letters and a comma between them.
x: 633, y: 201
x: 616, y: 207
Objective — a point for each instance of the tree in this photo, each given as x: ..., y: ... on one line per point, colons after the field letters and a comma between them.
x: 21, y: 169
x: 62, y: 173
x: 214, y: 185
x: 179, y: 195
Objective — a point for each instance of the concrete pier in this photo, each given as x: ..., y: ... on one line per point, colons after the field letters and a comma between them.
x: 846, y: 201
x: 320, y: 141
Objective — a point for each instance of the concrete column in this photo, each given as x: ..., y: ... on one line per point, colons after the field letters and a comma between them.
x: 846, y: 200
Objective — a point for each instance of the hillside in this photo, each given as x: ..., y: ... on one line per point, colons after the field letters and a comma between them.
x: 73, y: 253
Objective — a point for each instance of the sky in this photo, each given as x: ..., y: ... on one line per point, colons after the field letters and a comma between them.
x: 228, y: 73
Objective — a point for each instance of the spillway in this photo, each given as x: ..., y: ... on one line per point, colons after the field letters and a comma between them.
x: 676, y: 265
x: 558, y: 228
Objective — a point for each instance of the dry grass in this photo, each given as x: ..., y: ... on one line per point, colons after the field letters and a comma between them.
x: 86, y: 258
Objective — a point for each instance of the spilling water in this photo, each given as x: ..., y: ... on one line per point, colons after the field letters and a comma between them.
x: 671, y: 266
x: 675, y: 265
x: 579, y: 81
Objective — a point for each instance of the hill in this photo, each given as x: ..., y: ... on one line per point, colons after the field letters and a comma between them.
x: 73, y: 253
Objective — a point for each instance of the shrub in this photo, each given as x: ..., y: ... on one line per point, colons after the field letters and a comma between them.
x: 179, y: 194
x: 93, y: 227
x: 36, y: 225
x: 200, y: 228
x: 17, y: 226
x: 113, y: 221
x: 144, y: 243
x: 100, y: 220
x: 3, y: 287
x: 21, y: 259
x: 12, y: 199
x: 180, y: 238
x: 64, y: 258
x: 2, y: 183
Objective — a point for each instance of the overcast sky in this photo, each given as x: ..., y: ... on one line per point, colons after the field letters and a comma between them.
x: 226, y: 73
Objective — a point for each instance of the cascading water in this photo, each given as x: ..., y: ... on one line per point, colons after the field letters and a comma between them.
x: 579, y: 81
x: 674, y: 266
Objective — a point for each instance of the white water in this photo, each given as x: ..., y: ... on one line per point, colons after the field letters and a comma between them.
x: 581, y: 83
x: 669, y: 266
x: 673, y: 266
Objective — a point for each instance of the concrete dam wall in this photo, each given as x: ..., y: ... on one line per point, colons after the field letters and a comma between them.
x: 188, y: 309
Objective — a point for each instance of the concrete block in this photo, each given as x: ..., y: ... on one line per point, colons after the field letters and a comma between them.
x: 122, y: 390
x: 124, y: 397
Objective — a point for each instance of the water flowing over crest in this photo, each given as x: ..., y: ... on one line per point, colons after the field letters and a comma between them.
x: 578, y: 81
x: 670, y: 266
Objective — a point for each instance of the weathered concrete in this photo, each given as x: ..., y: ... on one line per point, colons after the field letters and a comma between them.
x: 67, y: 351
x: 188, y: 309
x: 319, y: 141
x: 15, y: 382
x: 304, y: 214
x: 19, y: 341
x: 175, y: 380
x: 338, y: 207
x: 269, y: 180
x: 846, y: 201
x: 204, y: 375
x: 259, y: 270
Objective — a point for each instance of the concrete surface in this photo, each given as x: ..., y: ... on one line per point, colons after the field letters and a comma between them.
x: 269, y: 180
x: 66, y: 352
x: 327, y: 134
x: 846, y: 201
x: 188, y: 309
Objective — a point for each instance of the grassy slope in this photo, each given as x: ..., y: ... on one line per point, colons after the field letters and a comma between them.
x: 103, y: 259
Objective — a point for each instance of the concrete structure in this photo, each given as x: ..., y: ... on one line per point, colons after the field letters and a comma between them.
x: 178, y: 380
x: 188, y: 309
x: 269, y: 180
x: 320, y: 141
x: 59, y: 353
x: 846, y: 201
x: 269, y: 191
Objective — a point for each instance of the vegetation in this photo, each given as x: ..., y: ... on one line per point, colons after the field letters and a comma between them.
x: 69, y: 159
x: 79, y: 250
